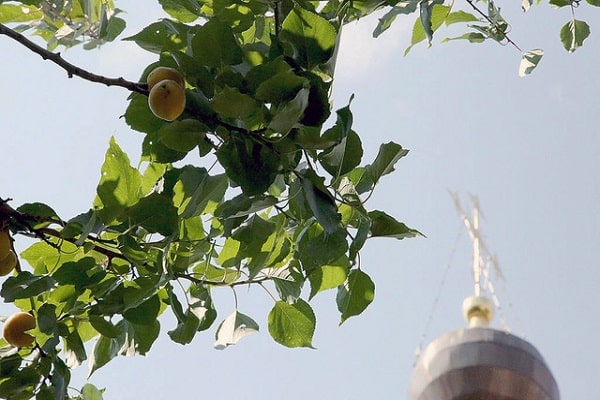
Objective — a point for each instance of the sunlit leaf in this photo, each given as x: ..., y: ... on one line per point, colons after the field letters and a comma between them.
x: 292, y: 325
x: 530, y: 61
x: 311, y: 38
x: 235, y: 327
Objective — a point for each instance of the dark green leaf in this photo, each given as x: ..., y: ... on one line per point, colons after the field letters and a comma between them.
x: 317, y: 247
x: 228, y: 51
x: 251, y: 165
x: 144, y: 314
x: 74, y: 349
x: 156, y: 213
x: 104, y: 327
x: 25, y: 285
x: 42, y: 214
x: 355, y: 295
x: 105, y: 350
x: 182, y: 135
x: 388, y: 18
x: 196, y: 189
x: 573, y: 34
x: 343, y: 157
x: 290, y: 113
x: 186, y: 329
x: 383, y: 224
x: 388, y: 155
x: 292, y: 325
x: 320, y: 201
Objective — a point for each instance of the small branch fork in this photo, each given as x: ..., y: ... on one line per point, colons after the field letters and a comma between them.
x: 484, y: 15
x: 72, y: 70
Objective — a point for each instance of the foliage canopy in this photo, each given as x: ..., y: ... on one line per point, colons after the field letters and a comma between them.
x: 251, y: 185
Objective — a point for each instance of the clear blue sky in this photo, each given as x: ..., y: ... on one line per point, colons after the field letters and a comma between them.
x: 528, y: 148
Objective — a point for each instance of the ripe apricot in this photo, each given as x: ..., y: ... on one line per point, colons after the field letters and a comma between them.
x: 4, y: 244
x: 161, y: 73
x: 15, y: 327
x: 167, y: 100
x: 8, y: 263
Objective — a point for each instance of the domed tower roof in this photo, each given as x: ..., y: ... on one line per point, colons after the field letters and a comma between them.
x: 479, y: 362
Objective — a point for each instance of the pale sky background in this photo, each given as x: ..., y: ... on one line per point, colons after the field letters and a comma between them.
x: 528, y: 148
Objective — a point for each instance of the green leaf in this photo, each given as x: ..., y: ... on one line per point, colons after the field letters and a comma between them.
x: 196, y: 191
x: 251, y: 165
x: 182, y: 135
x: 233, y: 329
x: 529, y: 61
x: 460, y: 16
x: 280, y: 87
x: 290, y: 113
x: 186, y: 328
x: 343, y: 157
x: 139, y: 117
x: 91, y: 392
x: 595, y: 3
x: 472, y: 37
x: 42, y: 214
x: 181, y: 10
x: 74, y: 350
x: 573, y: 34
x: 162, y: 35
x: 104, y: 327
x: 388, y: 155
x: 105, y: 350
x: 425, y: 11
x: 328, y: 276
x: 228, y: 51
x: 560, y: 3
x: 292, y: 325
x: 144, y: 314
x: 25, y: 285
x: 81, y: 274
x: 242, y: 205
x: 231, y: 103
x: 310, y: 37
x: 119, y: 185
x: 317, y: 247
x: 320, y: 201
x: 383, y: 224
x: 388, y: 18
x: 19, y: 13
x: 432, y: 16
x: 355, y: 295
x: 156, y: 213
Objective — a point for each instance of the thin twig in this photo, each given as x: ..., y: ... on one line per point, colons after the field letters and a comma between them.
x: 72, y: 70
x: 509, y: 40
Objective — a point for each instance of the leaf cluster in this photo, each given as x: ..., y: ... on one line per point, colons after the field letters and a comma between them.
x: 254, y: 185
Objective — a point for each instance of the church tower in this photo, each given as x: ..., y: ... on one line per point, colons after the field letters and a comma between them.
x: 479, y: 362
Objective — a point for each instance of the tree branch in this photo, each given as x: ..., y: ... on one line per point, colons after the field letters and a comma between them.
x: 72, y: 70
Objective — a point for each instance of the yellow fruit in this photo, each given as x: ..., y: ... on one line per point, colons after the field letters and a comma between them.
x: 8, y: 263
x: 161, y: 73
x: 4, y: 244
x: 15, y: 327
x: 167, y: 100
